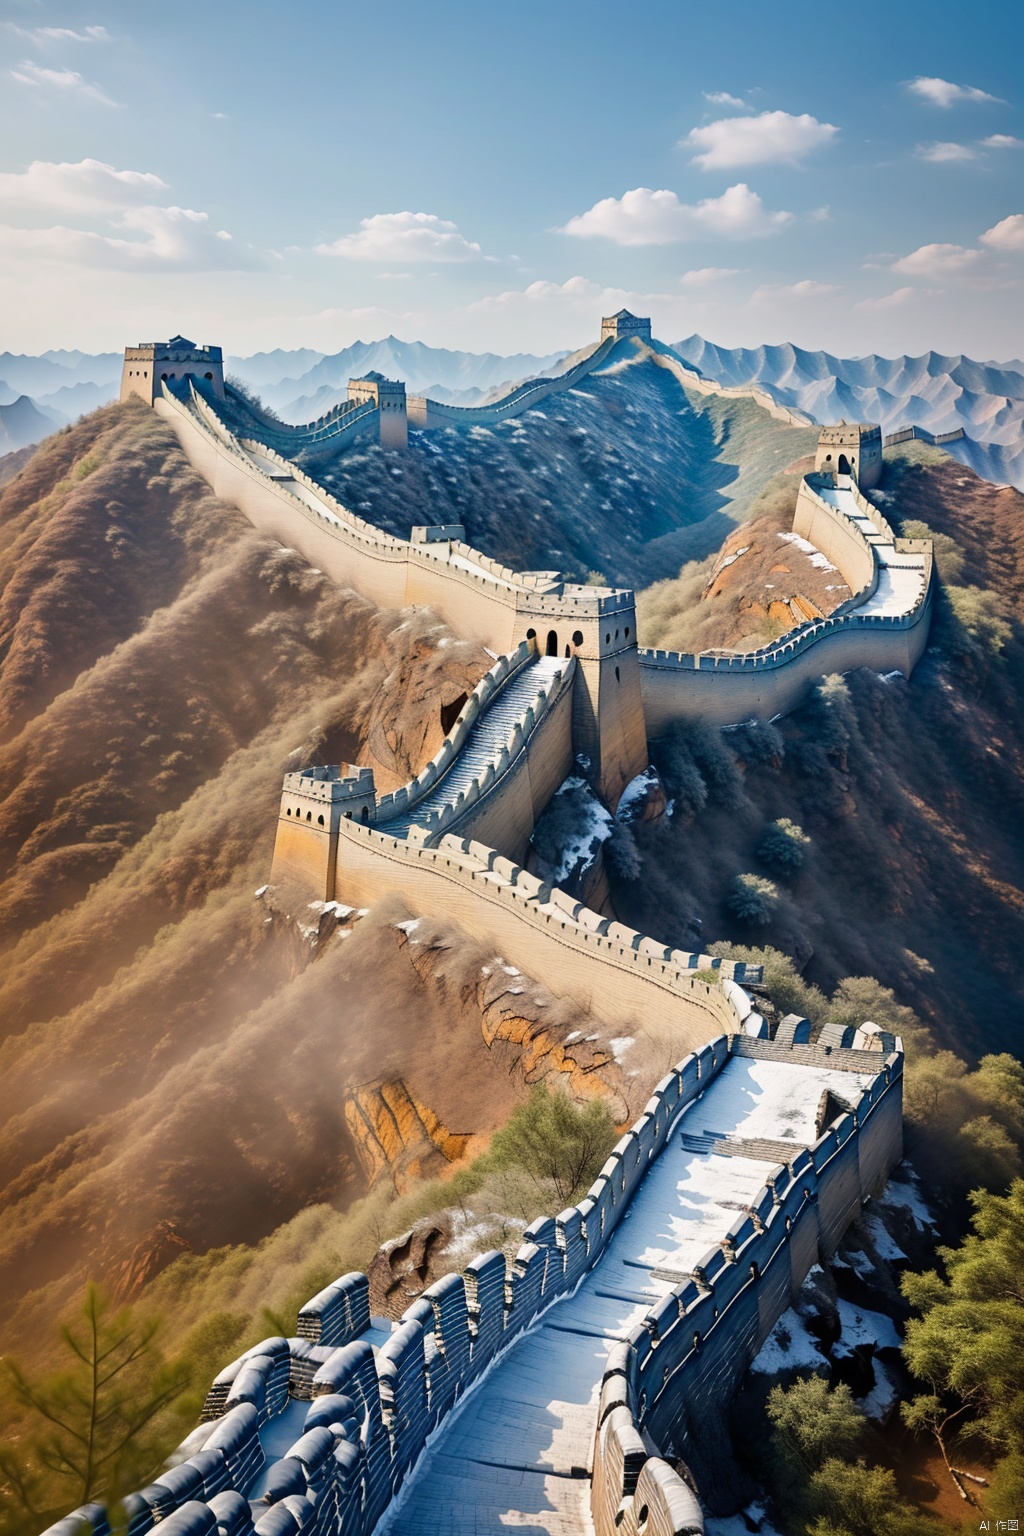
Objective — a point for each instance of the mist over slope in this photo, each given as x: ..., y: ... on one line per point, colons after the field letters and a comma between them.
x: 627, y: 473
x: 933, y: 391
x: 175, y: 1070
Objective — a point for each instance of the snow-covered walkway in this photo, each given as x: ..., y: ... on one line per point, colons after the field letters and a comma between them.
x: 517, y: 1454
x: 901, y: 577
x: 490, y: 733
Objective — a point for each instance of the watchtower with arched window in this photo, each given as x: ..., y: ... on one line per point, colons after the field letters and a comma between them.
x: 597, y: 627
x: 851, y: 448
x: 151, y: 364
x: 313, y: 804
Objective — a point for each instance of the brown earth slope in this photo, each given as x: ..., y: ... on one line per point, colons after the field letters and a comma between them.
x: 912, y: 792
x: 174, y: 1072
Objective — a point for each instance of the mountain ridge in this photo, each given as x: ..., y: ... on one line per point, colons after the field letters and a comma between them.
x: 934, y: 390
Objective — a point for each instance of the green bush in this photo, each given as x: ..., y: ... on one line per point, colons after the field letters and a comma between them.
x: 966, y: 1344
x: 782, y: 981
x: 752, y: 899
x: 555, y: 1141
x: 783, y: 846
x: 811, y: 1422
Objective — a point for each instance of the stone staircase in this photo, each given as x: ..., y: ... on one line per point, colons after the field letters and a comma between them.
x: 490, y: 733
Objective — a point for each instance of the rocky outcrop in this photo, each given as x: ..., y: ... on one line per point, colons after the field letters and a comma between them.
x: 394, y: 1132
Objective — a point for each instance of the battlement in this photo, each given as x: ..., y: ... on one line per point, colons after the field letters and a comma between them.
x: 623, y: 324
x: 850, y: 448
x: 338, y: 781
x: 388, y: 395
x: 377, y: 1390
x: 151, y: 364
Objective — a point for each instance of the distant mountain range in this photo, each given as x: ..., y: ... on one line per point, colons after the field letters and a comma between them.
x: 299, y: 393
x: 933, y: 391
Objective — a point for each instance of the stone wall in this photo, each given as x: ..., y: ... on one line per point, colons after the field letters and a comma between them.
x: 725, y: 689
x: 383, y: 1405
x: 620, y: 974
x: 430, y: 414
x: 666, y: 1388
x: 667, y: 1384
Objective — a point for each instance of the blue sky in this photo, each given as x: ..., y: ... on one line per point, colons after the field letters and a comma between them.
x: 494, y: 177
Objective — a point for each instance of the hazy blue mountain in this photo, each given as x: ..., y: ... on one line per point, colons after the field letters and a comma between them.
x: 22, y: 423
x: 264, y: 368
x: 50, y: 371
x: 934, y: 391
x: 299, y: 396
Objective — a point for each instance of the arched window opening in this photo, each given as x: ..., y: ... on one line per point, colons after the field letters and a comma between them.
x: 627, y: 631
x: 531, y: 634
x: 577, y: 638
x: 364, y: 815
x: 348, y: 815
x: 288, y: 811
x: 552, y: 648
x: 320, y: 821
x: 844, y: 464
x: 163, y: 375
x: 208, y: 376
x: 309, y: 815
x: 607, y: 639
x: 616, y: 674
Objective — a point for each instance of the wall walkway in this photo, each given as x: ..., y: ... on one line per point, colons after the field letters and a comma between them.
x: 538, y: 1394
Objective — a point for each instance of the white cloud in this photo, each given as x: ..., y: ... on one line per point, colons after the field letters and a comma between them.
x: 943, y: 93
x: 153, y: 240
x: 807, y: 288
x: 402, y: 237
x: 44, y: 35
x: 643, y: 217
x: 936, y: 260
x: 66, y: 80
x: 1007, y: 235
x: 76, y: 187
x: 943, y: 152
x: 1002, y: 141
x: 700, y: 277
x: 723, y: 99
x: 132, y: 229
x: 770, y: 138
x: 898, y: 298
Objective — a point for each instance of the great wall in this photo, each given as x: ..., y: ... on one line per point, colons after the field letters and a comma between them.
x: 583, y: 1385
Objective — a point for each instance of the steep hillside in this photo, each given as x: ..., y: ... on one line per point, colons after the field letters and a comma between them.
x: 763, y: 581
x: 627, y: 474
x: 174, y: 1071
x: 912, y: 794
x: 933, y: 391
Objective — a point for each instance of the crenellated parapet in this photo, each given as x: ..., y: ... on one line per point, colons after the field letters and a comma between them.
x: 354, y: 1426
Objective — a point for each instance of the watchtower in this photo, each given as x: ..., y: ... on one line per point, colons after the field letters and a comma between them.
x: 597, y: 626
x: 152, y: 363
x: 313, y: 804
x: 388, y: 395
x: 620, y: 326
x: 851, y: 448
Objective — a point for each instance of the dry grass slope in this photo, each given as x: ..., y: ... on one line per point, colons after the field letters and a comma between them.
x: 174, y: 1072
